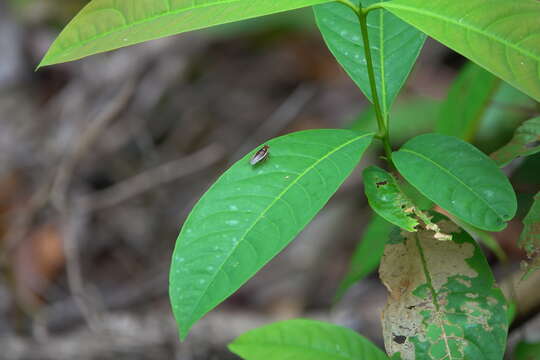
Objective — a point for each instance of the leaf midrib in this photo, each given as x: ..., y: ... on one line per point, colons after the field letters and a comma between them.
x: 454, y: 177
x: 263, y: 213
x: 135, y: 23
x: 492, y: 36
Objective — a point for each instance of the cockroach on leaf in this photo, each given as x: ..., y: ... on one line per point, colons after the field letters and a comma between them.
x: 261, y: 155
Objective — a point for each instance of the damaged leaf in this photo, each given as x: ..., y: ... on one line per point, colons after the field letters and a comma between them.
x: 443, y: 301
x: 387, y: 200
x: 526, y: 141
x: 530, y: 237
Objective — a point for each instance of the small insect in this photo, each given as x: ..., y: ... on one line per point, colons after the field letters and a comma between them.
x: 261, y: 155
x: 381, y: 183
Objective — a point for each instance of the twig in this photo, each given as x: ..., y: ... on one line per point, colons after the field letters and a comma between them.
x: 152, y: 178
x: 84, y: 143
x: 280, y: 119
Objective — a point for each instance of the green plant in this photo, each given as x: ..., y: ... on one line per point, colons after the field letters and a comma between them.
x: 443, y: 299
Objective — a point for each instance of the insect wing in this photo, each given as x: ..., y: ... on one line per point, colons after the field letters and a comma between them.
x: 260, y: 155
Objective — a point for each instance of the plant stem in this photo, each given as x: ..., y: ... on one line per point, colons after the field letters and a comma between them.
x: 381, y: 122
x: 349, y: 4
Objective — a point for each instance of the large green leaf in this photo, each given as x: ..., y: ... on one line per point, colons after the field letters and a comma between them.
x: 301, y: 339
x: 530, y: 236
x: 394, y: 45
x: 443, y: 301
x: 367, y: 255
x: 459, y: 178
x: 526, y: 141
x: 386, y: 198
x: 104, y: 25
x: 467, y: 100
x: 252, y: 212
x: 502, y: 36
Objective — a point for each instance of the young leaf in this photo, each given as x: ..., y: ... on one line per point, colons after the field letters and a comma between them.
x: 466, y: 102
x: 459, y: 178
x: 443, y: 303
x: 387, y: 200
x: 394, y: 44
x: 104, y: 25
x: 526, y: 141
x: 252, y: 212
x: 530, y: 237
x: 301, y: 339
x: 501, y: 36
x: 367, y: 255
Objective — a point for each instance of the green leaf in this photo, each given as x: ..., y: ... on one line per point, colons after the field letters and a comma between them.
x: 252, y: 212
x: 443, y: 301
x: 501, y: 36
x: 509, y: 108
x: 527, y: 351
x: 530, y: 236
x: 367, y: 255
x: 459, y: 178
x: 104, y: 25
x: 301, y: 339
x: 467, y: 100
x: 386, y: 198
x: 394, y: 44
x: 526, y: 141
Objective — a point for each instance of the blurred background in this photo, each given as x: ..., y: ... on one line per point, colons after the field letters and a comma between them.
x: 102, y: 159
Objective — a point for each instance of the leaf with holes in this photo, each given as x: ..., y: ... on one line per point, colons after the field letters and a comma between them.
x: 443, y: 301
x: 530, y: 237
x: 252, y: 212
x: 367, y: 255
x: 501, y: 36
x: 301, y: 339
x: 467, y: 100
x: 459, y: 178
x: 526, y: 141
x: 387, y: 200
x: 394, y: 44
x: 104, y: 25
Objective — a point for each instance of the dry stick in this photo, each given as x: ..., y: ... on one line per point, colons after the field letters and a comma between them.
x: 84, y: 143
x: 286, y: 113
x: 152, y: 178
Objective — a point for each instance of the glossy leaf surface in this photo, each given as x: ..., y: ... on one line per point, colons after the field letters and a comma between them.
x: 526, y: 141
x: 459, y: 178
x: 530, y: 237
x: 395, y: 45
x: 252, y: 212
x: 467, y: 100
x: 501, y: 36
x: 301, y: 339
x: 367, y: 255
x: 386, y: 198
x: 104, y: 25
x: 443, y: 301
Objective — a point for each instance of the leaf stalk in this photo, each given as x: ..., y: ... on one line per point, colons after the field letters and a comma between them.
x: 383, y: 133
